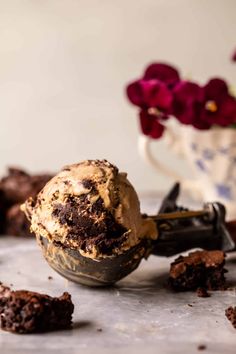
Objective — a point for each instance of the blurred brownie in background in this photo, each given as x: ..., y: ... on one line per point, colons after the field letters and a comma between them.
x: 2, y: 212
x: 15, y: 188
x: 19, y: 185
x: 16, y: 223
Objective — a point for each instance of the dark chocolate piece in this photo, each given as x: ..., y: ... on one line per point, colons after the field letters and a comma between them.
x: 201, y: 347
x: 199, y: 269
x: 230, y: 313
x: 91, y: 224
x: 202, y: 292
x: 25, y: 311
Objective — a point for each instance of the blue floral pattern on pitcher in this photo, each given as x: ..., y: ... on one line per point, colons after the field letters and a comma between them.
x: 224, y: 191
x: 203, y: 160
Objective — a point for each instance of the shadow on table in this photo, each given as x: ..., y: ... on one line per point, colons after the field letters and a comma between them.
x: 82, y: 325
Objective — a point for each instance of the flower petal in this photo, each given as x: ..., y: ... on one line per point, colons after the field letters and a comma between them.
x: 227, y: 112
x: 163, y: 72
x: 150, y: 93
x: 150, y: 125
x: 215, y: 89
x: 187, y: 101
x: 234, y: 56
x: 201, y: 124
x: 135, y: 93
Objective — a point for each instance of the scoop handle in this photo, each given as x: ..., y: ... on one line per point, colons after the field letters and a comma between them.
x: 171, y: 243
x: 181, y: 231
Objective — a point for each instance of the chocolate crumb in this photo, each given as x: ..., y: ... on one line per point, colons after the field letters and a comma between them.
x: 50, y: 278
x: 230, y: 313
x: 190, y: 305
x: 202, y: 292
x: 99, y: 329
x: 201, y: 347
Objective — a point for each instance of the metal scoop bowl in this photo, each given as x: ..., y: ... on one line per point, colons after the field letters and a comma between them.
x: 72, y: 265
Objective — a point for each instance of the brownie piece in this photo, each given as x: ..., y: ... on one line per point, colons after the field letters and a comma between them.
x: 202, y: 347
x: 200, y: 269
x: 16, y: 222
x: 25, y: 311
x: 2, y: 213
x: 230, y: 313
x: 202, y: 292
x: 19, y: 185
x: 15, y: 188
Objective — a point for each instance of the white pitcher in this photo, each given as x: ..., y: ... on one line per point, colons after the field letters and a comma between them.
x: 211, y: 154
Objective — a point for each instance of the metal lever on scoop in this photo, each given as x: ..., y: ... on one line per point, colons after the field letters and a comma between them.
x: 169, y: 202
x: 181, y: 230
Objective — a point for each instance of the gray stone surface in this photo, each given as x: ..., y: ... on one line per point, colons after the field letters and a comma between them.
x: 138, y: 315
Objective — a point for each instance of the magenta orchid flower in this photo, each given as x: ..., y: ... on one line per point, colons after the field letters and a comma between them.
x: 150, y: 93
x: 187, y: 104
x: 219, y: 106
x: 161, y: 93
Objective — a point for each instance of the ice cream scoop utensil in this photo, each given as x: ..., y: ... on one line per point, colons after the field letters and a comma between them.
x: 178, y: 231
x: 88, y: 223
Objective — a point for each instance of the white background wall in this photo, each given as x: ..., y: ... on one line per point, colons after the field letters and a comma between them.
x: 64, y: 65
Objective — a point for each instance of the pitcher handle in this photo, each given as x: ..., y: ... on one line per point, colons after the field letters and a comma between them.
x: 144, y: 147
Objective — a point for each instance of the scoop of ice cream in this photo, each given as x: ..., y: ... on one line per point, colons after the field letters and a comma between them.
x: 90, y: 207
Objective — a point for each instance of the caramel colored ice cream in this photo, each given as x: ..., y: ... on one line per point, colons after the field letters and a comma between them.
x: 90, y: 207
